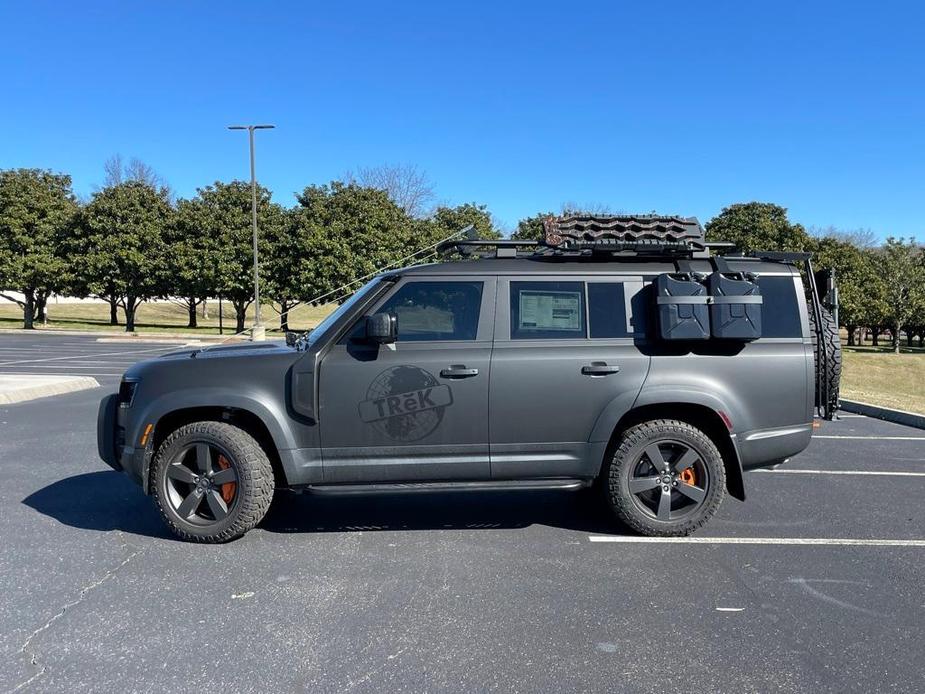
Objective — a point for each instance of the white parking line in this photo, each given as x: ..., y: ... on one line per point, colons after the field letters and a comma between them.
x: 84, y: 356
x: 700, y: 540
x: 873, y: 438
x: 845, y: 472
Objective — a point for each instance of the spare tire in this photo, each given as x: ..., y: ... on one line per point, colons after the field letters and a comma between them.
x: 827, y: 355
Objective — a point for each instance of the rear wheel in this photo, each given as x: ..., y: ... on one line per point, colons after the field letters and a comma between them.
x: 212, y: 482
x: 665, y: 478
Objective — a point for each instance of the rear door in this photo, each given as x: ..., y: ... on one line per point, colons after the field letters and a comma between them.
x: 415, y: 410
x: 564, y: 355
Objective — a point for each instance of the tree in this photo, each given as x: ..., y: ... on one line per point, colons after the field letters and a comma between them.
x: 531, y: 228
x: 118, y: 172
x: 902, y: 271
x: 758, y: 226
x: 854, y: 275
x: 448, y: 220
x: 348, y: 232
x: 190, y: 274
x: 37, y: 211
x: 118, y: 245
x: 406, y: 185
x: 221, y: 213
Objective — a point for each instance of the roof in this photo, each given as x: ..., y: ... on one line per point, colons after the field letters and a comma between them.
x: 546, y: 265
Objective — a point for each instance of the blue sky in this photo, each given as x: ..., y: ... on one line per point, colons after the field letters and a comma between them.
x: 675, y: 107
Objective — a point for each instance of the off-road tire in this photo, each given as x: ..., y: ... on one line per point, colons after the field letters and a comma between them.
x: 631, y: 447
x: 831, y: 346
x: 254, y: 479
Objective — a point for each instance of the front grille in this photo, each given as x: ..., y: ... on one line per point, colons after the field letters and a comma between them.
x: 127, y: 392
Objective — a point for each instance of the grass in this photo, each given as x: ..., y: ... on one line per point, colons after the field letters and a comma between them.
x: 158, y: 317
x: 877, y: 376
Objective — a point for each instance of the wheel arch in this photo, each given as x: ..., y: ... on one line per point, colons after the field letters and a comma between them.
x: 244, y: 419
x: 698, y: 415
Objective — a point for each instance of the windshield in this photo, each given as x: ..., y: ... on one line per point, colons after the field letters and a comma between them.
x: 332, y: 317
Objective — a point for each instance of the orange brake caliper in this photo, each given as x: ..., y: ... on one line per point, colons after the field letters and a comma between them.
x: 228, y: 489
x: 688, y: 476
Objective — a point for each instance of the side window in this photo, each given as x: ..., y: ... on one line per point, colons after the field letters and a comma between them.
x: 607, y: 310
x: 547, y: 310
x: 430, y: 311
x: 780, y: 312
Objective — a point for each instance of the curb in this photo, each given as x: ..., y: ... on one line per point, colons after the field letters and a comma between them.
x: 25, y: 392
x: 909, y: 419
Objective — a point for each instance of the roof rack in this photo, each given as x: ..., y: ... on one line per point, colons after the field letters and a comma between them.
x: 601, y: 237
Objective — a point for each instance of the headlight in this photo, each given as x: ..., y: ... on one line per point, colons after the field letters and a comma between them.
x: 127, y: 393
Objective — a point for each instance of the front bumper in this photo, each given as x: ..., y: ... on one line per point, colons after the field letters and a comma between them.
x: 106, y: 431
x: 110, y: 441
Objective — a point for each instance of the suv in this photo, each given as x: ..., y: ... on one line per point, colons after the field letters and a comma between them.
x: 617, y: 353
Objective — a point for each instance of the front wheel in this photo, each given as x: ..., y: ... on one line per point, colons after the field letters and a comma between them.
x: 666, y: 478
x: 212, y: 482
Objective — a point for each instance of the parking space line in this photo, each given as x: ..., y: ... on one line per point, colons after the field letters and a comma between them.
x: 887, y: 473
x: 84, y: 356
x: 700, y: 540
x: 873, y: 438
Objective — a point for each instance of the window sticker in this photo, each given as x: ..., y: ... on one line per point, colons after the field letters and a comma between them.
x: 547, y: 310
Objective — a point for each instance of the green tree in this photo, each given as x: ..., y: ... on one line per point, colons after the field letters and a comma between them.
x: 854, y: 275
x: 118, y: 245
x: 902, y: 271
x: 222, y: 215
x: 531, y: 228
x: 446, y: 221
x: 758, y: 226
x: 37, y: 211
x: 190, y: 271
x: 347, y: 232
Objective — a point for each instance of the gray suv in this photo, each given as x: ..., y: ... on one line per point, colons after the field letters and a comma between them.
x: 618, y: 353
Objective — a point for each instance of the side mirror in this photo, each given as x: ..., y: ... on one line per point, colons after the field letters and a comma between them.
x: 382, y: 328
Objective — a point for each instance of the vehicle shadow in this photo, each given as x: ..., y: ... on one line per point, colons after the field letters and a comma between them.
x: 104, y: 500
x: 108, y: 500
x: 581, y: 511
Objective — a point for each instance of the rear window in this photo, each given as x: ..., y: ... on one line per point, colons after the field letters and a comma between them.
x: 780, y: 312
x: 607, y: 310
x: 547, y: 310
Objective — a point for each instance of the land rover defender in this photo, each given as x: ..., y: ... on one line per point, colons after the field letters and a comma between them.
x: 623, y: 353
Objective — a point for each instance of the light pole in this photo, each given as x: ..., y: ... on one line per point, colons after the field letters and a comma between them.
x: 250, y: 131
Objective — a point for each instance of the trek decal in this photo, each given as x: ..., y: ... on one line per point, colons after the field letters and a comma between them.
x: 405, y: 403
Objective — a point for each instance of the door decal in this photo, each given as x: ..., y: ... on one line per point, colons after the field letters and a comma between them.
x: 405, y: 403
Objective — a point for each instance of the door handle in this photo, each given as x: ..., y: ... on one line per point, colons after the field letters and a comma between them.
x: 599, y: 368
x: 458, y: 371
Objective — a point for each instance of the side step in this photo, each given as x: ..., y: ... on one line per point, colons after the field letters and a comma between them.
x: 474, y: 486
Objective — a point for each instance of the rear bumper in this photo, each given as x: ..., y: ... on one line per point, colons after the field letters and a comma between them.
x: 766, y: 447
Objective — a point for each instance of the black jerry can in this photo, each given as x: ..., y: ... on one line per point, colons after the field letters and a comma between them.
x: 682, y: 307
x: 735, y: 306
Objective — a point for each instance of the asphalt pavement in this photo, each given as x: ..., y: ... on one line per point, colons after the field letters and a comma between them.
x: 506, y: 592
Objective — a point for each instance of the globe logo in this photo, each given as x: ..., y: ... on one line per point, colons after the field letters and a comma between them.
x: 405, y: 403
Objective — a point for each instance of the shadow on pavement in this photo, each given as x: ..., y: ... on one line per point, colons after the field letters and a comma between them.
x: 104, y: 500
x: 107, y: 500
x: 582, y: 511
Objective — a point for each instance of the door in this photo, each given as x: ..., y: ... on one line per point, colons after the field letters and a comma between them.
x: 565, y: 355
x: 417, y: 409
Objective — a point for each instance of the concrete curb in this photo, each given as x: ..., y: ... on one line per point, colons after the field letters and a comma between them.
x: 909, y: 419
x: 15, y: 388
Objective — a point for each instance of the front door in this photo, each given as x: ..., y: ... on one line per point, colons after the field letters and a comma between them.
x: 417, y: 409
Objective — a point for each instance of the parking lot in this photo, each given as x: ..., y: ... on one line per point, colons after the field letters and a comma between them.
x: 816, y: 583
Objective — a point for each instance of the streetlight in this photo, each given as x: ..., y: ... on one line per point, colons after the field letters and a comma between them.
x: 250, y: 131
